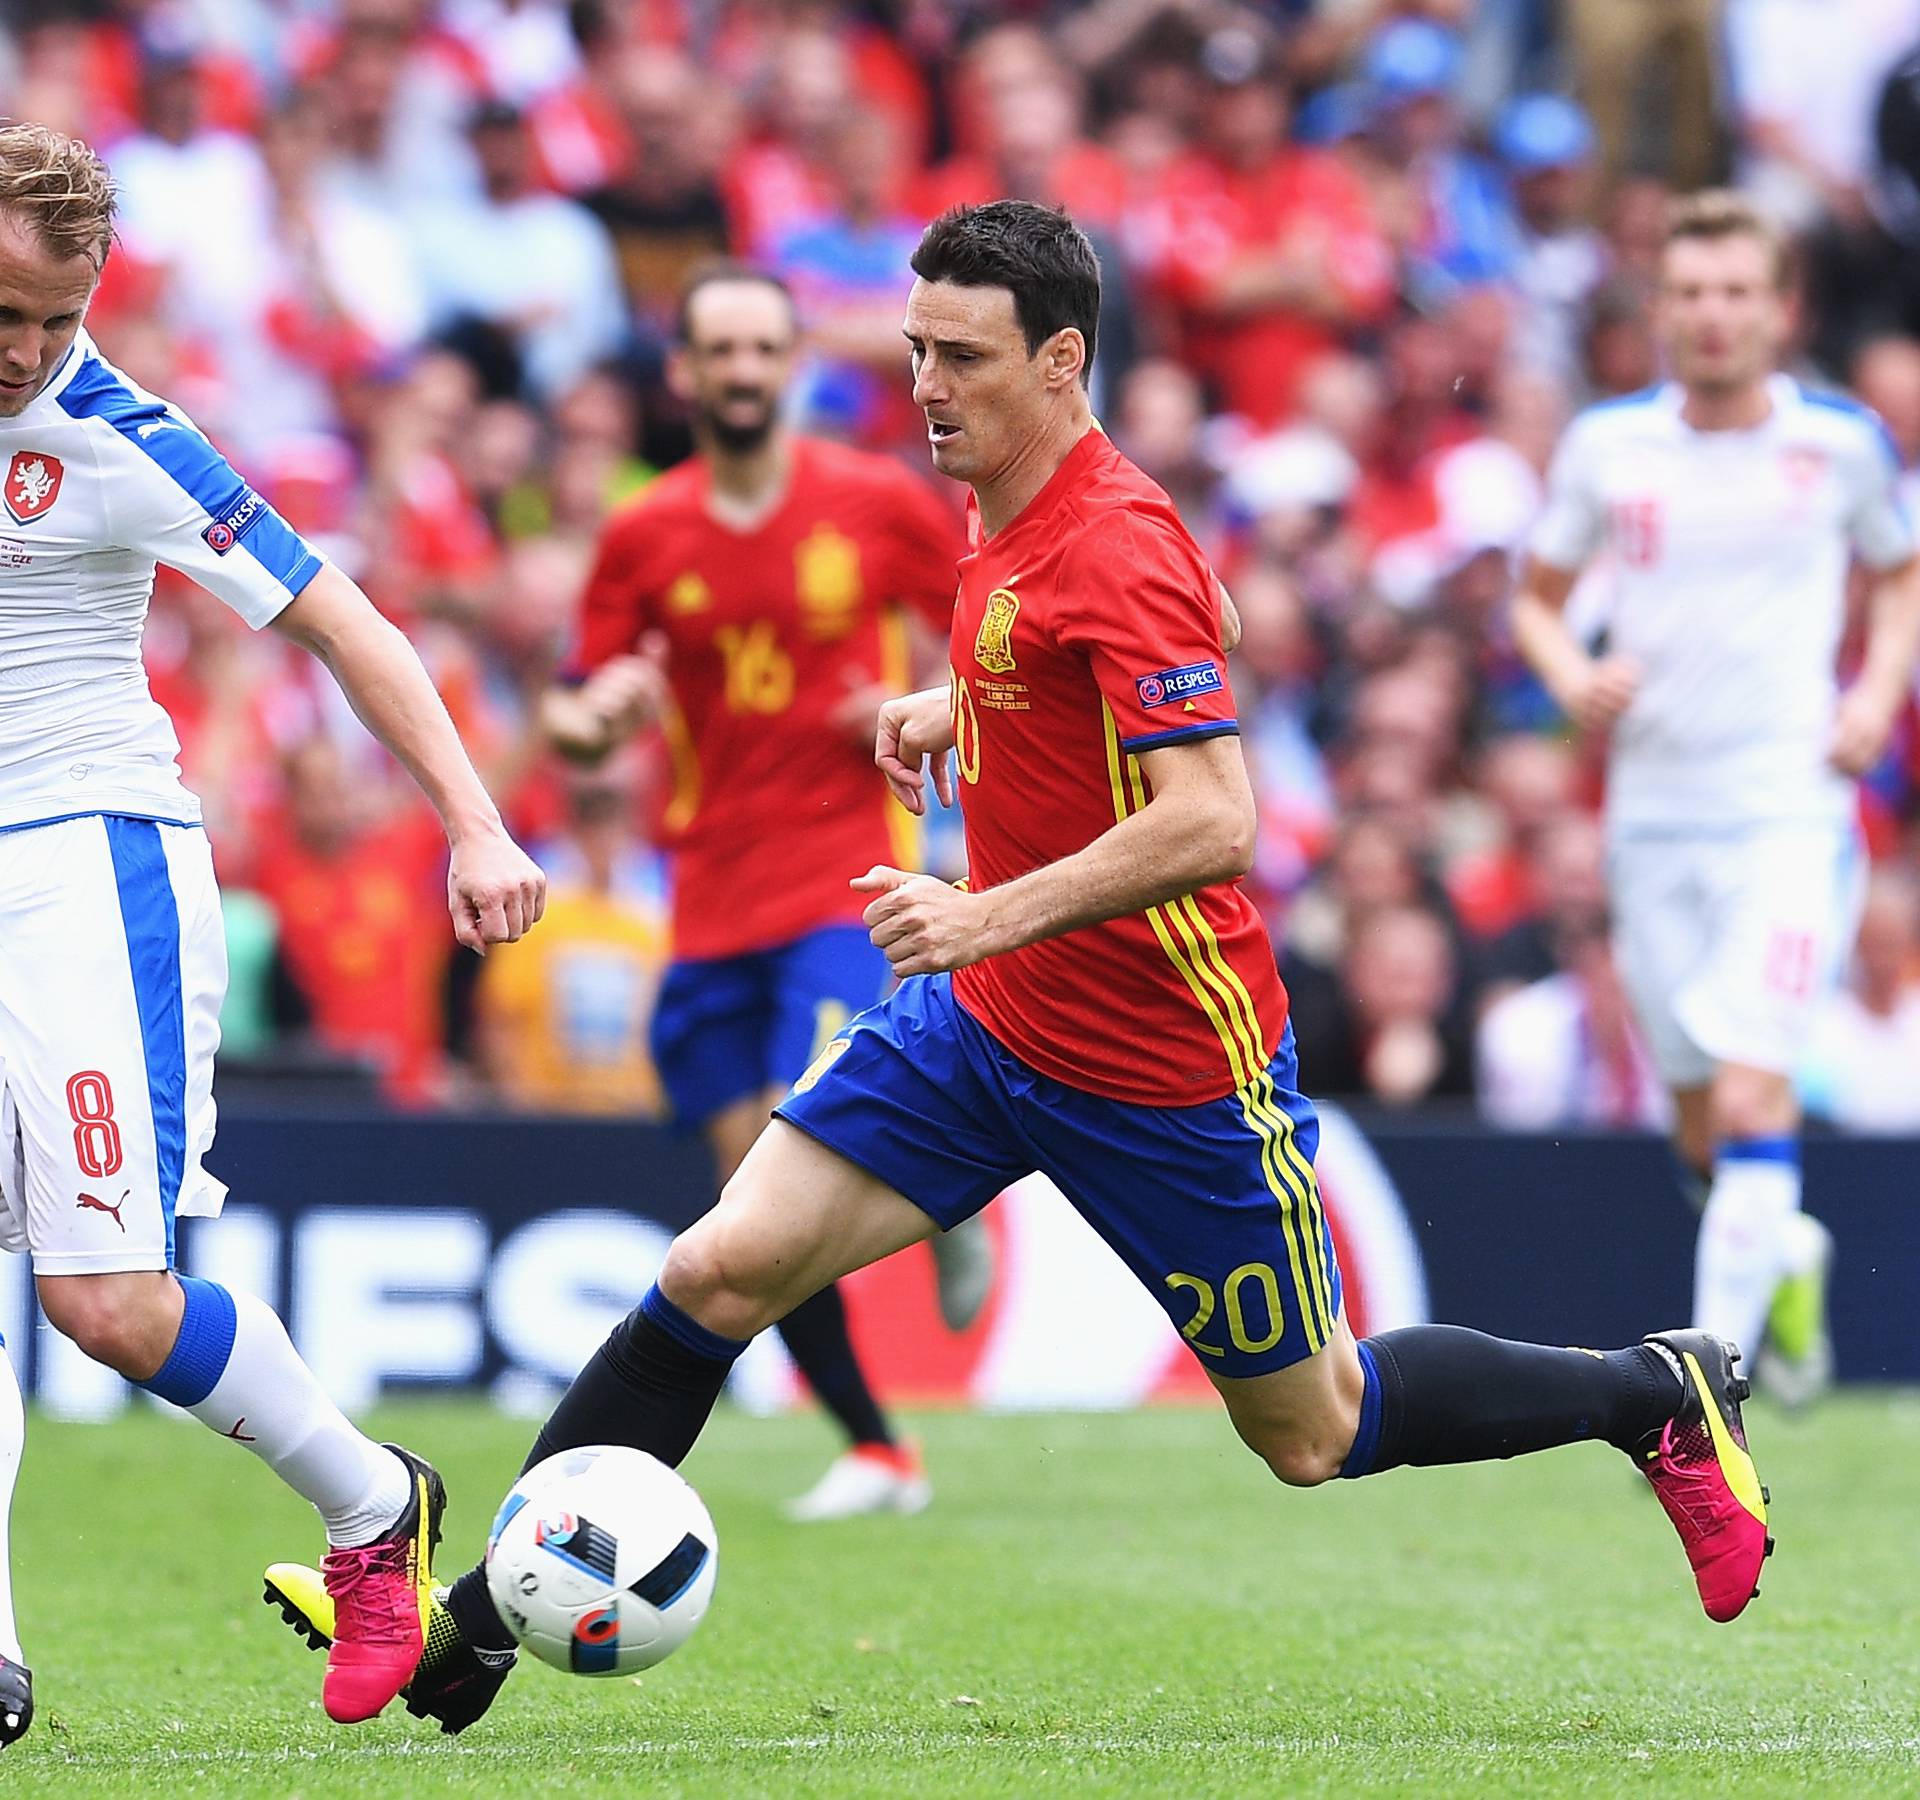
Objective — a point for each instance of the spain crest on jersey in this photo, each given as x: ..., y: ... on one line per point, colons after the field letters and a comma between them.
x: 32, y: 484
x: 688, y: 594
x: 826, y: 580
x: 993, y: 645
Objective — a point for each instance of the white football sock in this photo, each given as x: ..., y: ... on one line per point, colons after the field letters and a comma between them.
x: 1743, y: 1246
x: 13, y: 1437
x: 245, y: 1380
x: 1805, y: 1245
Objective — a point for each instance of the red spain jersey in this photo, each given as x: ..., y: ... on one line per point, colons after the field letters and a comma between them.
x: 776, y: 802
x: 1086, y: 633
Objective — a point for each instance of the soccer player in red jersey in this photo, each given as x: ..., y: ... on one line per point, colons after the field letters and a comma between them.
x: 1097, y: 1002
x: 752, y: 602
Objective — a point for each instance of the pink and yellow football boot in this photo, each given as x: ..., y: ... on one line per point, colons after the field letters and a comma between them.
x: 381, y: 1592
x: 1699, y: 1466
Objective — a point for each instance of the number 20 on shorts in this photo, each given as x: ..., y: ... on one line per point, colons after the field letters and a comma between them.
x: 1232, y: 1299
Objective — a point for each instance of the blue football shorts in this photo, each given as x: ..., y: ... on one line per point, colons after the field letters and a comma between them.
x: 1213, y: 1207
x: 728, y: 1027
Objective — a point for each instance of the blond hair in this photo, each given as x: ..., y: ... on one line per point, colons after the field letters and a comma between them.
x: 1717, y: 213
x: 59, y: 189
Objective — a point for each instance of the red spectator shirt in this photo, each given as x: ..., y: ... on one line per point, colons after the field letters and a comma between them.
x: 1087, y: 632
x: 776, y: 802
x: 366, y: 937
x: 1211, y: 215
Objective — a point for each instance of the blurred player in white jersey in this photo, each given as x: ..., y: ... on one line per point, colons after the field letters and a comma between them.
x: 1729, y: 503
x: 112, y: 961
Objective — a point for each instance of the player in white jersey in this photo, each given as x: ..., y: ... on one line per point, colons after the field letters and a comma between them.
x: 1728, y: 505
x: 112, y: 962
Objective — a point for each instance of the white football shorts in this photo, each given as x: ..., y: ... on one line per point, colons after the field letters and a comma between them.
x: 1729, y: 941
x: 113, y: 964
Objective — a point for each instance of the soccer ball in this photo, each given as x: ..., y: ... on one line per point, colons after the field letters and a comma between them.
x: 601, y: 1560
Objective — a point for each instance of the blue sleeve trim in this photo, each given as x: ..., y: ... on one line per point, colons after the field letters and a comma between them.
x: 1184, y: 734
x: 1853, y: 409
x: 284, y: 554
x: 98, y: 391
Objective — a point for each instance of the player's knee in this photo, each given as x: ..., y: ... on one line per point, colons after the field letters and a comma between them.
x: 724, y: 1278
x: 127, y: 1324
x: 1304, y: 1452
x: 1302, y: 1460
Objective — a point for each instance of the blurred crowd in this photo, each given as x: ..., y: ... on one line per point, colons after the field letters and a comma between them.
x: 413, y: 263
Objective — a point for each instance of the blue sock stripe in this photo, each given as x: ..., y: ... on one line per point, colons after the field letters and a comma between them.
x: 688, y: 1333
x: 1366, y: 1440
x: 1758, y: 1150
x: 204, y: 1347
x: 151, y: 918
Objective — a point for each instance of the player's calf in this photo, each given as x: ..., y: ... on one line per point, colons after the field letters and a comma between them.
x: 129, y: 1321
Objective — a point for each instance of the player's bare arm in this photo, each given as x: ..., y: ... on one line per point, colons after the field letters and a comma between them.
x: 495, y: 892
x: 916, y: 731
x: 1863, y: 721
x: 624, y: 696
x: 1196, y: 830
x: 1592, y: 691
x: 1229, y: 619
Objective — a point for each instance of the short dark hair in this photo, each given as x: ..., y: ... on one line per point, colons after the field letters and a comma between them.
x: 1715, y: 214
x: 1035, y: 252
x: 724, y: 270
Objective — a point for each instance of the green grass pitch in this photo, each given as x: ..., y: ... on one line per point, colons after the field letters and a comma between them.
x: 1094, y: 1605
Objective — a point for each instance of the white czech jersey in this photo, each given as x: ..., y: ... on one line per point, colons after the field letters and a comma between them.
x: 99, y: 481
x: 1727, y: 556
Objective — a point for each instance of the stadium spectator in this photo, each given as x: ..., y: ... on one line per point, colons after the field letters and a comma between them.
x: 1021, y: 121
x: 1862, y: 1071
x: 536, y: 268
x: 1564, y: 1050
x: 1528, y: 783
x: 1461, y: 230
x: 1270, y: 251
x: 356, y: 879
x: 781, y: 177
x: 1402, y: 1045
x: 1804, y: 79
x: 1626, y: 51
x: 848, y: 272
x: 1568, y: 885
x: 1161, y: 425
x: 176, y: 170
x: 1546, y: 144
x: 562, y: 1020
x: 663, y: 202
x: 1275, y: 668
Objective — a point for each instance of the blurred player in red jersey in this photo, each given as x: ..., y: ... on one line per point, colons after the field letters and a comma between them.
x: 1099, y: 1002
x: 751, y: 603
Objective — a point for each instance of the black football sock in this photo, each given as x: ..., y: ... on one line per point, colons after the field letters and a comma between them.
x: 1444, y: 1394
x: 815, y: 1334
x: 652, y: 1384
